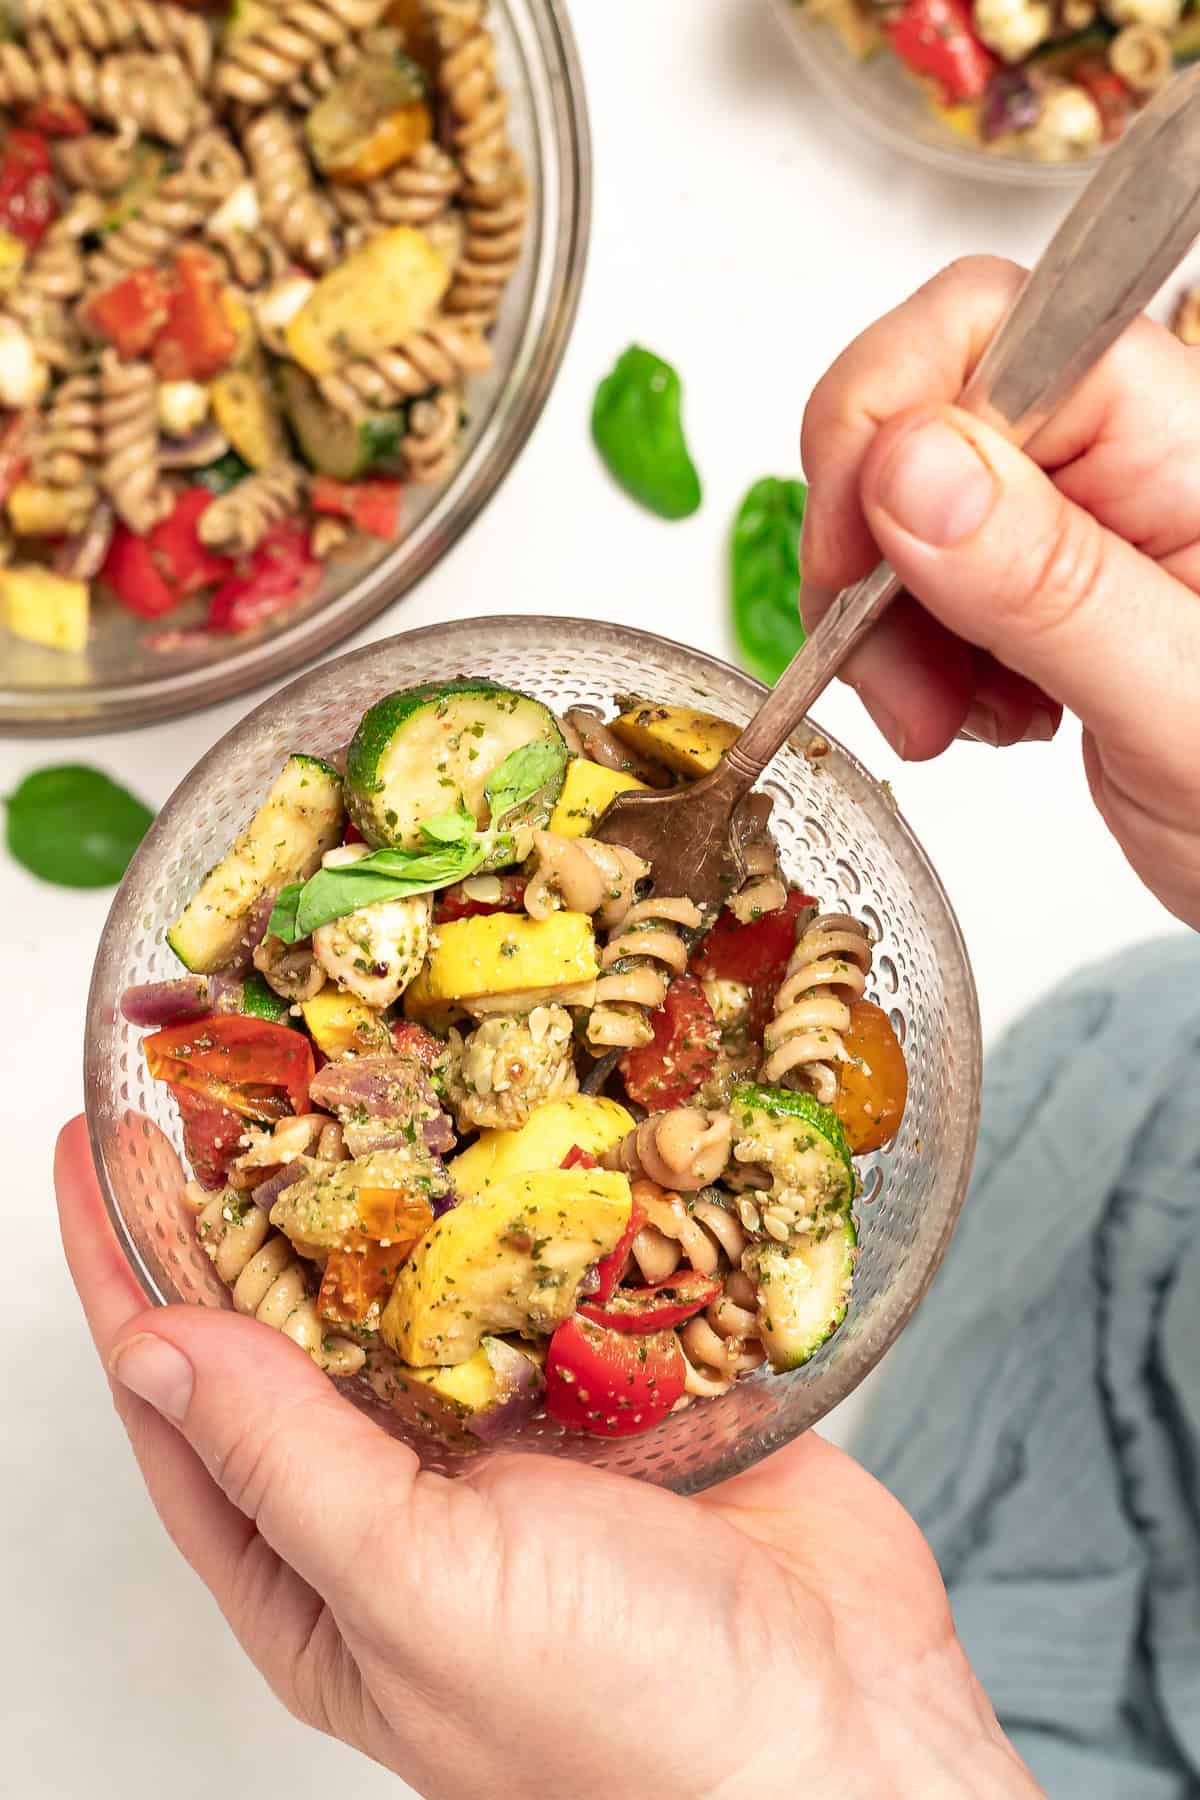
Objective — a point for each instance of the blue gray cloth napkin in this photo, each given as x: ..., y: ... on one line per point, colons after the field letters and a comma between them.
x: 1041, y: 1416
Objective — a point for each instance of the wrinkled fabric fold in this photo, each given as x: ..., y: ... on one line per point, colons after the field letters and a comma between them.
x: 1041, y: 1416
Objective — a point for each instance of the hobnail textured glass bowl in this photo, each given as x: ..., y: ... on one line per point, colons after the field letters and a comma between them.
x: 885, y: 100
x: 119, y: 681
x: 840, y: 836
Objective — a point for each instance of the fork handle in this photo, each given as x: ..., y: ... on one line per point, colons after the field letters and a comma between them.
x: 1135, y: 221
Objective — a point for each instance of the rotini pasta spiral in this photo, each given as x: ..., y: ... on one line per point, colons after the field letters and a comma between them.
x: 268, y: 1279
x: 66, y: 445
x: 153, y: 93
x: 764, y: 889
x: 582, y: 875
x: 437, y: 357
x: 723, y: 1341
x: 684, y: 1149
x: 828, y: 970
x: 101, y: 162
x: 703, y: 1235
x: 291, y: 205
x: 414, y: 193
x: 509, y: 1066
x: 430, y: 445
x: 54, y: 275
x: 600, y: 745
x: 297, y: 35
x: 212, y: 168
x: 240, y: 519
x: 495, y: 196
x: 129, y: 438
x: 103, y: 25
x: 637, y: 963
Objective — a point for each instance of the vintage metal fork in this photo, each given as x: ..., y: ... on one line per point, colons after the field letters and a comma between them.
x: 1135, y: 221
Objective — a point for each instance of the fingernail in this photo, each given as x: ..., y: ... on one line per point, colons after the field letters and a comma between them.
x: 981, y: 725
x: 156, y: 1372
x: 936, y: 485
x: 1041, y: 728
x: 884, y: 720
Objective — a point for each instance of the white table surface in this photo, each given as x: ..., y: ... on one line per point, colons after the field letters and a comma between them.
x: 741, y: 231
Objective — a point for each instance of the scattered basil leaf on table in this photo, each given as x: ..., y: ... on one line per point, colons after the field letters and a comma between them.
x: 454, y: 848
x: 73, y: 825
x: 638, y: 431
x: 765, y: 576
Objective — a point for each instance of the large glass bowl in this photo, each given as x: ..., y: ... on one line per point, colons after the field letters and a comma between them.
x: 840, y: 835
x: 885, y: 100
x: 121, y: 681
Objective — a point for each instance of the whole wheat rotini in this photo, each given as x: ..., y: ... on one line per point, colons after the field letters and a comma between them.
x: 102, y: 162
x: 212, y: 167
x: 67, y: 441
x: 239, y: 520
x: 827, y: 973
x: 637, y: 964
x: 153, y: 93
x: 291, y: 205
x: 104, y: 25
x: 684, y: 1149
x: 416, y: 192
x: 429, y: 448
x: 268, y: 1279
x: 130, y: 473
x: 53, y: 277
x: 438, y: 357
x: 284, y: 47
x: 582, y: 875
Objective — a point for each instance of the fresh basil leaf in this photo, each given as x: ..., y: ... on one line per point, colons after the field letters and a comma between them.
x: 282, y: 923
x: 638, y: 429
x: 450, y: 828
x: 522, y: 776
x: 74, y: 826
x: 765, y: 576
x: 332, y: 893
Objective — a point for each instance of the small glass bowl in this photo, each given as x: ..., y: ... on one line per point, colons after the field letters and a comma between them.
x: 886, y: 101
x: 121, y: 680
x: 840, y: 836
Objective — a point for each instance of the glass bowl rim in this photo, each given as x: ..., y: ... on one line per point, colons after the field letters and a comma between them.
x: 123, y: 705
x: 919, y: 872
x: 836, y: 75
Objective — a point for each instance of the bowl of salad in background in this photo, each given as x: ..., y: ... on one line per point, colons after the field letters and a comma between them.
x: 841, y: 843
x: 1027, y: 91
x: 233, y: 258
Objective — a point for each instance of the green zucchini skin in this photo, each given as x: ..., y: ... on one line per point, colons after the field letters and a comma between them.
x: 419, y: 751
x: 786, y: 1108
x: 262, y: 1002
x: 803, y: 1292
x: 331, y: 443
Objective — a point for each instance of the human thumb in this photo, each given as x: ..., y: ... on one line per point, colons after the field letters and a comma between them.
x: 983, y: 538
x: 310, y: 1471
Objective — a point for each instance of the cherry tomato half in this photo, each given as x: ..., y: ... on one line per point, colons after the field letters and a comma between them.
x: 874, y: 1084
x: 609, y: 1383
x: 667, y: 1071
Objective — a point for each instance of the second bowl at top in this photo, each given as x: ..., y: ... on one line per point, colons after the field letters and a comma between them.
x: 131, y: 670
x: 840, y: 839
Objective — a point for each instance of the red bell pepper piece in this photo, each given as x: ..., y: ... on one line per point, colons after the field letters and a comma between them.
x: 659, y: 1307
x: 756, y: 954
x: 130, y: 313
x: 578, y: 1159
x: 198, y: 338
x: 373, y: 506
x: 187, y: 565
x: 279, y: 574
x: 667, y: 1071
x: 250, y: 1065
x: 57, y: 118
x: 28, y: 200
x: 135, y: 578
x: 937, y: 38
x: 609, y: 1383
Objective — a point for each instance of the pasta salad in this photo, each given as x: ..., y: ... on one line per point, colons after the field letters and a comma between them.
x: 250, y: 256
x: 472, y: 1109
x: 1053, y: 80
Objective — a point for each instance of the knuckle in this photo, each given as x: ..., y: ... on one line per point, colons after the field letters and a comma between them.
x: 985, y: 276
x: 1067, y: 576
